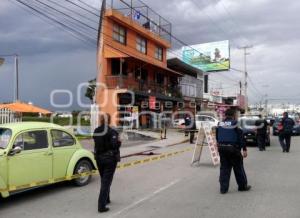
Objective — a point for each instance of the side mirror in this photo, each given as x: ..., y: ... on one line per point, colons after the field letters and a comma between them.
x: 15, y: 150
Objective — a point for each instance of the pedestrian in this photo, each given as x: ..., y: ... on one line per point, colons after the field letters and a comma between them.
x: 262, y: 129
x: 187, y: 123
x: 107, y: 155
x: 230, y: 142
x: 192, y: 130
x: 286, y: 131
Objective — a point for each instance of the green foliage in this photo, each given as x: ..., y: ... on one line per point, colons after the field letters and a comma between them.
x: 91, y: 90
x: 57, y: 120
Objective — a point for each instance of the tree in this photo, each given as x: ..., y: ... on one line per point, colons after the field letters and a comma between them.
x: 91, y: 90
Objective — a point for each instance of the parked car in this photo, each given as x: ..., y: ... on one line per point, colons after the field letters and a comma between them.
x: 249, y: 127
x: 200, y: 119
x: 296, y: 128
x: 40, y: 153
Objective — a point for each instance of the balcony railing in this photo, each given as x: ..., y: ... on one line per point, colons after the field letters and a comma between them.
x: 128, y: 82
x: 144, y: 15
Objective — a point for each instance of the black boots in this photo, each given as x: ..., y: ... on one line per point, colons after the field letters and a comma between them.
x: 103, y: 210
x: 244, y: 189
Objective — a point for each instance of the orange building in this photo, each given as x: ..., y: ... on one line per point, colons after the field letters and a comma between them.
x: 132, y: 61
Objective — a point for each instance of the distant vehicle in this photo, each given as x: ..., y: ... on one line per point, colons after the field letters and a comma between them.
x: 200, y: 119
x: 296, y: 128
x: 270, y: 120
x: 40, y: 153
x: 248, y: 125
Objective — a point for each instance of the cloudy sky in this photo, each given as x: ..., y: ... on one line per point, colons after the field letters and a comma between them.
x: 51, y: 58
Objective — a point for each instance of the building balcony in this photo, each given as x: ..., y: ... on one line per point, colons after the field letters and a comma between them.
x: 146, y: 88
x: 143, y: 16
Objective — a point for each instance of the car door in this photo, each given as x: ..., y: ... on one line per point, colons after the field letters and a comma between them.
x: 64, y: 146
x: 34, y: 162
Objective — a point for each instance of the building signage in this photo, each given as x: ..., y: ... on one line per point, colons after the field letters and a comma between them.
x: 152, y: 102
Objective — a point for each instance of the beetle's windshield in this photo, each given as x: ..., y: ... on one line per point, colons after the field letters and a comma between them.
x: 5, y: 135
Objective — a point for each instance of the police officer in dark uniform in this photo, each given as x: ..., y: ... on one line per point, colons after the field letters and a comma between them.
x: 187, y: 123
x: 107, y: 155
x: 193, y: 129
x: 286, y: 132
x: 230, y: 142
x: 262, y: 129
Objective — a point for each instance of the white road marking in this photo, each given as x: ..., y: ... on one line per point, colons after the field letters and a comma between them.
x: 146, y: 198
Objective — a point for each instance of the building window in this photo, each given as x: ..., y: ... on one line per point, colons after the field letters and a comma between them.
x: 141, y: 74
x: 119, y: 34
x: 160, y: 78
x: 141, y: 45
x: 116, y: 68
x: 159, y: 53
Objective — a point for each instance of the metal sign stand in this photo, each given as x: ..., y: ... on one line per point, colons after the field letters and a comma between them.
x: 205, y: 138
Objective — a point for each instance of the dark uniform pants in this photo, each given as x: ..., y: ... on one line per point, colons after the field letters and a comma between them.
x: 231, y: 157
x: 107, y: 167
x: 285, y: 141
x: 261, y: 141
x: 192, y: 136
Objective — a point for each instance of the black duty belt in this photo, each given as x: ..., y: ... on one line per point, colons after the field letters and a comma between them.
x: 226, y: 145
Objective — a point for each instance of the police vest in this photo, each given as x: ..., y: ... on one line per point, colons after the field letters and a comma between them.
x: 227, y: 132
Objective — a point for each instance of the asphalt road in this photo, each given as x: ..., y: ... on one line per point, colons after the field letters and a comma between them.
x: 171, y: 188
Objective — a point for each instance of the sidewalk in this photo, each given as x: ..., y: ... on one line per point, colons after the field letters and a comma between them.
x: 173, y: 137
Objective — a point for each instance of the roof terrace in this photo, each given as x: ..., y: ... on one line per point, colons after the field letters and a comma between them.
x: 144, y: 16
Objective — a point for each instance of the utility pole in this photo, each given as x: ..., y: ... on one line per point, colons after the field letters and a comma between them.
x: 246, y: 74
x: 266, y: 105
x: 16, y: 57
x: 17, y: 76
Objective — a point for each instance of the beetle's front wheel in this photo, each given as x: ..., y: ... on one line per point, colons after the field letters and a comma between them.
x: 83, y: 166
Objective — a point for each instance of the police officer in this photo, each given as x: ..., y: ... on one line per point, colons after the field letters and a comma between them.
x: 193, y: 129
x: 107, y: 155
x: 262, y: 129
x: 286, y: 132
x: 187, y: 123
x: 230, y: 142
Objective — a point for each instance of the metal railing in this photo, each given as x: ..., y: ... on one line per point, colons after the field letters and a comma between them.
x: 129, y: 82
x: 8, y: 116
x: 143, y: 15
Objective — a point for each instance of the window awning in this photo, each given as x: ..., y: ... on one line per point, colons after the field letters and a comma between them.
x: 110, y: 52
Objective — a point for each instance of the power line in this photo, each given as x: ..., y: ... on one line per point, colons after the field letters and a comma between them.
x: 215, y: 24
x: 52, y: 23
x: 75, y: 12
x: 232, y: 20
x: 71, y: 22
x: 92, y: 28
x: 89, y: 6
x: 86, y: 38
x: 83, y: 8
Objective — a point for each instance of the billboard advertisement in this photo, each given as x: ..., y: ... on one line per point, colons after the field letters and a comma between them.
x: 208, y: 57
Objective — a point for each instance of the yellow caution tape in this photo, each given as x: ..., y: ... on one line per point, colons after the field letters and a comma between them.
x: 94, y: 172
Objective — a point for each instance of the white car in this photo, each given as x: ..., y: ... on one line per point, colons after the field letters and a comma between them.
x: 200, y: 119
x: 179, y: 123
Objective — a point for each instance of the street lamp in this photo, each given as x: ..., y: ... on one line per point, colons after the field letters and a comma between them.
x: 16, y: 57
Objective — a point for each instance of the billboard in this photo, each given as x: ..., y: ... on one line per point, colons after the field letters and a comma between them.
x: 208, y: 57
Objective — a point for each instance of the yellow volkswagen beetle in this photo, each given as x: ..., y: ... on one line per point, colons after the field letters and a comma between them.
x: 34, y: 154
